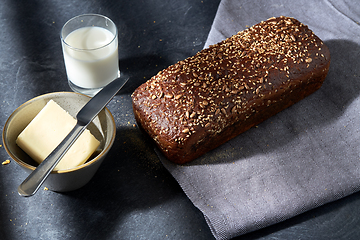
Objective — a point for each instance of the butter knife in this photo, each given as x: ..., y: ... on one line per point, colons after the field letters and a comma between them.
x: 91, y: 109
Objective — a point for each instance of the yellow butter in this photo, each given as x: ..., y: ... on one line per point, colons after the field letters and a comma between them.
x: 45, y: 132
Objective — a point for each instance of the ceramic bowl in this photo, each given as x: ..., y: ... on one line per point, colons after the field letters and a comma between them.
x: 102, y: 127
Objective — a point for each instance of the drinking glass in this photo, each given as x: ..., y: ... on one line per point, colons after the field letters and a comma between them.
x: 90, y: 50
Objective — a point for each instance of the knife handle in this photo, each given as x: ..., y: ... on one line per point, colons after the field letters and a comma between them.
x: 33, y: 182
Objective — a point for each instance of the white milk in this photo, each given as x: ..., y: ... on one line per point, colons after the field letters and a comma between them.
x: 92, y: 59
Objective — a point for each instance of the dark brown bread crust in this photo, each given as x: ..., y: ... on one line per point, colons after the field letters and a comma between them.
x: 203, y: 101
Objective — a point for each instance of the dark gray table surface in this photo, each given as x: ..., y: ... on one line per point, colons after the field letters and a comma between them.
x: 131, y: 196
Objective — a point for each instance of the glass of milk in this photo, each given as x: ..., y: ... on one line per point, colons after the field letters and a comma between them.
x: 90, y: 49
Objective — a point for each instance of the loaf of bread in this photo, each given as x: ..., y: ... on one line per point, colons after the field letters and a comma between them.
x: 205, y: 100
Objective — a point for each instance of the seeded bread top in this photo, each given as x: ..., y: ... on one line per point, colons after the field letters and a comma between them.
x: 226, y: 82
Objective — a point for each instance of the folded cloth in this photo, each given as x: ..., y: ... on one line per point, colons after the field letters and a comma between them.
x: 303, y: 157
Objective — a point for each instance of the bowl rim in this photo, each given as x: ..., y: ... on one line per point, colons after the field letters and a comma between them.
x: 31, y: 167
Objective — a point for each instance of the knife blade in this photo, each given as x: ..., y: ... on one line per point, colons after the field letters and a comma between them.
x: 83, y: 118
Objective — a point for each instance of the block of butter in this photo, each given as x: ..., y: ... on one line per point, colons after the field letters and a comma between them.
x: 45, y: 132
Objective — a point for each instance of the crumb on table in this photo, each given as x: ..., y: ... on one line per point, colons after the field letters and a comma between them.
x: 5, y: 162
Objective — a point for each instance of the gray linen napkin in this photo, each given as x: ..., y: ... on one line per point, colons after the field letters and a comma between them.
x: 303, y: 157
